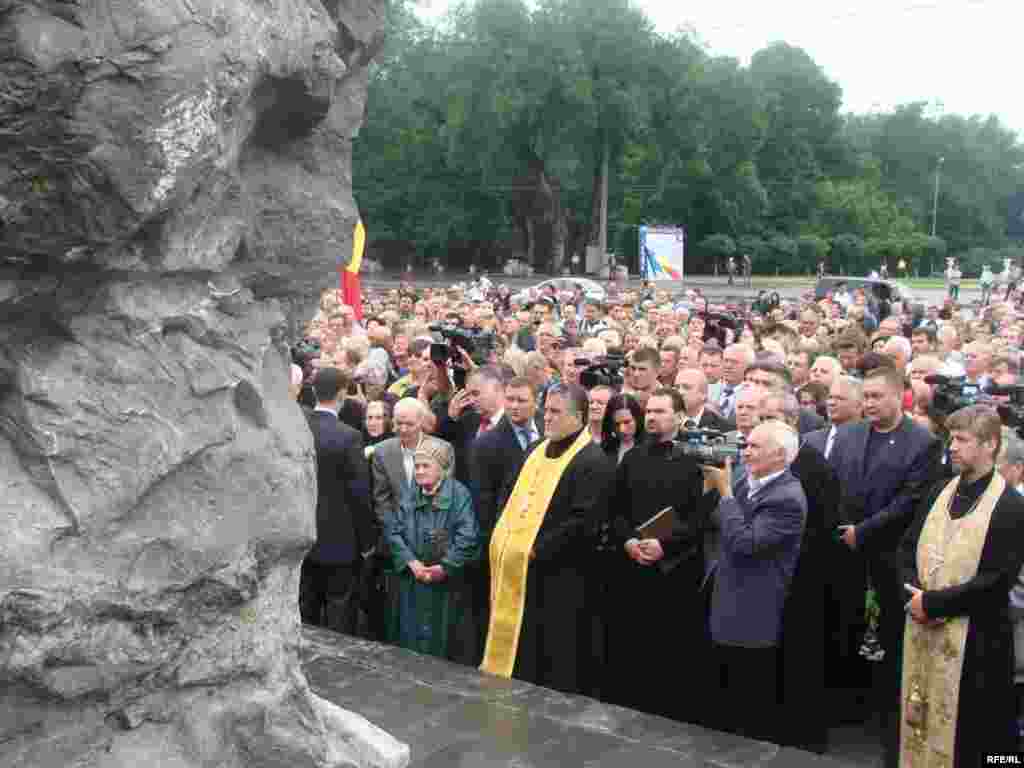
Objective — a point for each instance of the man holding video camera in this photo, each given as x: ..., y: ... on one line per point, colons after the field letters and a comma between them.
x: 658, y: 576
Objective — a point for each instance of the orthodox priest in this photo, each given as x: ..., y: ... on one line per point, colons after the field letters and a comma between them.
x: 540, y: 548
x: 961, y: 557
x: 659, y: 577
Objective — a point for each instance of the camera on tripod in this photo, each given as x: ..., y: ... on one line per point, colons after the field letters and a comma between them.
x: 709, y: 446
x: 603, y: 372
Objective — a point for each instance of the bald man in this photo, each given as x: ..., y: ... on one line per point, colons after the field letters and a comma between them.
x: 693, y: 386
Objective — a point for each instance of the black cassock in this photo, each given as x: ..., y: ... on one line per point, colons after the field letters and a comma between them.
x: 658, y: 646
x: 987, y: 708
x: 554, y: 642
x: 805, y: 629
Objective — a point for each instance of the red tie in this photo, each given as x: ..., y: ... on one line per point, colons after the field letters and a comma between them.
x: 485, y: 424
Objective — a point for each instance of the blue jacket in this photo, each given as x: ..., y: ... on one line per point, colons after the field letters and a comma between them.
x: 760, y: 543
x: 882, y: 505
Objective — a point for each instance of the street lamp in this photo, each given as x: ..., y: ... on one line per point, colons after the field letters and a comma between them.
x: 935, y: 202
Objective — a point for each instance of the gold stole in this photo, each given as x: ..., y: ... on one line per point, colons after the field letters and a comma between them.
x: 948, y: 554
x: 511, y: 544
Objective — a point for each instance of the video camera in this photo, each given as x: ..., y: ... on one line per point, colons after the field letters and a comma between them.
x: 709, y: 446
x: 1011, y: 413
x: 478, y: 345
x: 717, y: 326
x: 951, y: 393
x: 604, y: 372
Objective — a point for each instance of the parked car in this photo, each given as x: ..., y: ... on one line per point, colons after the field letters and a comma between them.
x: 591, y: 289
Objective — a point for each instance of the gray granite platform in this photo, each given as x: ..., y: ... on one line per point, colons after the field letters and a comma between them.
x: 453, y: 716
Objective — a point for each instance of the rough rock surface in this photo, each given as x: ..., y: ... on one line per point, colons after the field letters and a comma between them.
x: 175, y: 187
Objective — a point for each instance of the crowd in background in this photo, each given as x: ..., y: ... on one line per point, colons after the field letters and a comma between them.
x: 427, y: 468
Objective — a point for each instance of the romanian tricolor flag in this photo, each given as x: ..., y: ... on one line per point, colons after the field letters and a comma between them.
x: 351, y: 291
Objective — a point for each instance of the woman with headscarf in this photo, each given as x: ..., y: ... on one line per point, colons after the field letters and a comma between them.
x: 432, y: 536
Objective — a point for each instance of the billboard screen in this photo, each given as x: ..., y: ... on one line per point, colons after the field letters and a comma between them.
x: 661, y: 252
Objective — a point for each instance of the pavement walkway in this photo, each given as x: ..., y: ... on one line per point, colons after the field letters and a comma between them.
x: 455, y: 717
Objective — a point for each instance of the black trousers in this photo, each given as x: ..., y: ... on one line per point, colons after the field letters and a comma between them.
x: 748, y: 698
x: 885, y: 574
x: 328, y: 595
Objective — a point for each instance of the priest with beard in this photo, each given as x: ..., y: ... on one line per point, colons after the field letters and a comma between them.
x: 539, y: 630
x: 961, y: 556
x: 659, y: 579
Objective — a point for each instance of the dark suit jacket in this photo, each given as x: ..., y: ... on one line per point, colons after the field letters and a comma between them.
x: 460, y: 434
x: 345, y: 526
x: 759, y: 549
x: 808, y: 421
x: 817, y: 439
x: 497, y: 456
x: 882, y: 506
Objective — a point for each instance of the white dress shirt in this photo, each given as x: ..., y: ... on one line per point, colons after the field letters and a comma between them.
x: 756, y: 484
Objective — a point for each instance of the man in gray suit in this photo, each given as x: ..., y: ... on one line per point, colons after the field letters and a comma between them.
x: 762, y: 521
x: 392, y: 460
x: 391, y: 466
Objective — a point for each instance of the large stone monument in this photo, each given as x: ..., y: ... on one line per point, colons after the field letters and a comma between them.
x: 175, y: 187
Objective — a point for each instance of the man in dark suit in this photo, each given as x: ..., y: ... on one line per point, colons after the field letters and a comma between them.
x: 886, y: 464
x: 846, y: 576
x: 844, y: 407
x: 768, y: 374
x: 345, y: 526
x: 472, y: 412
x: 497, y: 456
x: 693, y: 386
x: 806, y: 631
x: 762, y: 522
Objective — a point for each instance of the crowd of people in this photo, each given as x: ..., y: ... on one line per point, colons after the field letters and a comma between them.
x: 530, y: 503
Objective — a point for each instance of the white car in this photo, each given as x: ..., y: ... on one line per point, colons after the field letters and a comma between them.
x: 591, y: 289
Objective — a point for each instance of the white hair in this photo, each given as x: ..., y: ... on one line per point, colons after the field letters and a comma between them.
x: 783, y: 435
x: 413, y: 406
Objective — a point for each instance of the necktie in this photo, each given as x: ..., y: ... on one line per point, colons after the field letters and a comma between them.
x: 523, y: 433
x: 726, y: 400
x: 485, y: 424
x: 829, y: 441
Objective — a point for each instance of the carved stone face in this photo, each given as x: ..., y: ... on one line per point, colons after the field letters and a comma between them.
x: 181, y: 199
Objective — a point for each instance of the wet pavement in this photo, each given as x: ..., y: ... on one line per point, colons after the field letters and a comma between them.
x: 456, y: 717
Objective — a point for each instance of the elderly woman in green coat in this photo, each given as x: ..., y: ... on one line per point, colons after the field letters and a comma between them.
x: 432, y: 536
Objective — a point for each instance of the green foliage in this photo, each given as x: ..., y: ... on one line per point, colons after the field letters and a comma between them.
x: 498, y: 121
x: 718, y: 246
x: 847, y: 254
x: 811, y: 249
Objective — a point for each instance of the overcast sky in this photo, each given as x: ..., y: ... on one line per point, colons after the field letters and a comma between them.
x: 963, y: 56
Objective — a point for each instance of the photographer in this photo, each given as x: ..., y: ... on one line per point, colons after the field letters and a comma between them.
x: 658, y: 578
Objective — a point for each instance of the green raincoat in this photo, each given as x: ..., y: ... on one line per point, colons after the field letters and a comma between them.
x: 428, y: 617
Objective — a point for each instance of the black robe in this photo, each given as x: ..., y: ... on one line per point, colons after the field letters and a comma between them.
x: 987, y: 709
x: 806, y: 634
x: 554, y: 641
x: 657, y: 633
